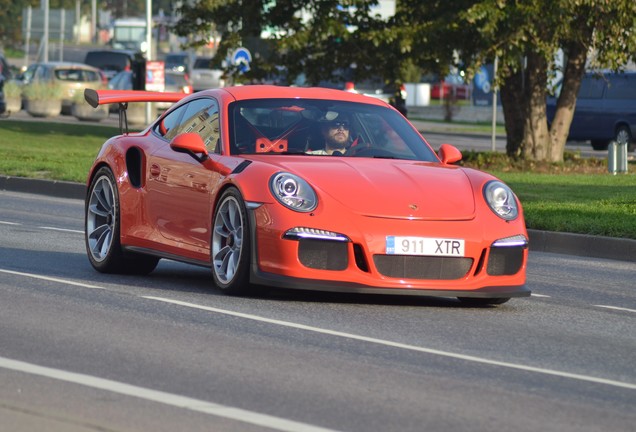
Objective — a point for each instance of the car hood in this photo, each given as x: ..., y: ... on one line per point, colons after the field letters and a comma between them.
x: 389, y: 188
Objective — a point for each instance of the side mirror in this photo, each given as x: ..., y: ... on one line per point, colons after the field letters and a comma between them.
x: 190, y: 143
x: 449, y: 154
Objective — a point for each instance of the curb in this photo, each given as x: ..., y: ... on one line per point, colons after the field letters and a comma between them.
x: 54, y: 188
x: 583, y: 245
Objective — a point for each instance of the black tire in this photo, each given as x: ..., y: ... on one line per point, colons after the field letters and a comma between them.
x: 102, y: 230
x: 600, y: 144
x: 624, y: 135
x: 230, y: 245
x: 473, y: 301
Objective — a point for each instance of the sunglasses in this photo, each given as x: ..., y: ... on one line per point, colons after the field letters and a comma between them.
x: 336, y: 125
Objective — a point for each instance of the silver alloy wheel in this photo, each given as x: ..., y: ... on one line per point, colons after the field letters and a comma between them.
x: 101, y: 218
x: 227, y: 240
x: 622, y: 135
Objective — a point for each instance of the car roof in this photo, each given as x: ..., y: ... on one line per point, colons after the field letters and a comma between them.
x: 117, y: 51
x: 277, y: 92
x: 58, y: 64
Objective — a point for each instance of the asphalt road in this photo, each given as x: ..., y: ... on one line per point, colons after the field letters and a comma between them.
x: 83, y: 351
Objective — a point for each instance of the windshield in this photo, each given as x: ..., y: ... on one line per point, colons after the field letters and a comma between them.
x: 77, y: 75
x: 321, y: 127
x: 202, y: 63
x: 108, y: 60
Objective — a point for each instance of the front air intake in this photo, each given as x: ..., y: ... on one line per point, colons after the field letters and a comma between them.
x: 504, y: 261
x: 323, y: 254
x: 422, y: 267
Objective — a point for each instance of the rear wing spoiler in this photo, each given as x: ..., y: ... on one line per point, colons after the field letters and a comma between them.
x: 124, y: 97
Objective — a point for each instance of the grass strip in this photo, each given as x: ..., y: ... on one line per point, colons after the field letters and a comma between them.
x: 596, y: 204
x: 55, y: 151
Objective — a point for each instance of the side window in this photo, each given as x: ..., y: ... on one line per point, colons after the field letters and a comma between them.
x: 592, y: 87
x: 168, y: 126
x: 621, y: 87
x: 202, y: 117
x: 39, y: 74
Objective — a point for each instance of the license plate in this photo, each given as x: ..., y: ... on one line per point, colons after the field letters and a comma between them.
x: 396, y: 245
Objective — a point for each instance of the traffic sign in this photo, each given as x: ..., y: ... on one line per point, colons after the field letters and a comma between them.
x: 242, y: 58
x: 155, y: 76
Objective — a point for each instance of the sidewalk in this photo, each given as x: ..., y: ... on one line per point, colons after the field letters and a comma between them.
x: 541, y: 241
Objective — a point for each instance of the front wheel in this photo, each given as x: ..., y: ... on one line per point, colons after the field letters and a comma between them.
x: 102, y: 230
x: 230, y: 246
x: 624, y: 135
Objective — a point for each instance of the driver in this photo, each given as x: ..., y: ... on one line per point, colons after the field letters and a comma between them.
x: 334, y: 128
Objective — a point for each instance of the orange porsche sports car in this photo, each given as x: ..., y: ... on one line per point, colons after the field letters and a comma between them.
x: 301, y: 188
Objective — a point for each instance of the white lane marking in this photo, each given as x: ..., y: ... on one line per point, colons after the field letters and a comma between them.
x: 616, y: 308
x: 178, y: 401
x: 45, y: 227
x: 402, y: 345
x: 51, y: 279
x: 363, y: 338
x: 61, y: 229
x: 540, y: 295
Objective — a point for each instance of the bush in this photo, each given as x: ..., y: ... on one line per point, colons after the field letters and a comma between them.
x: 42, y: 91
x: 12, y: 90
x: 495, y: 161
x: 78, y: 97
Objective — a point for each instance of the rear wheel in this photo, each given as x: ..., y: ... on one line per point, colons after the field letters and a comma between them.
x: 600, y: 144
x: 102, y: 230
x: 230, y: 246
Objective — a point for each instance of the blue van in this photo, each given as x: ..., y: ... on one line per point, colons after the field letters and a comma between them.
x: 605, y: 110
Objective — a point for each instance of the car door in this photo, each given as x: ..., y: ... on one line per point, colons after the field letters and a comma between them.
x: 179, y: 187
x: 619, y: 103
x: 585, y: 123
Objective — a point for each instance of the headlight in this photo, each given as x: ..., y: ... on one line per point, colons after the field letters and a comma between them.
x: 293, y: 192
x: 501, y: 200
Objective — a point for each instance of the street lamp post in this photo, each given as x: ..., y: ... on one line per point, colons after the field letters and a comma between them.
x: 45, y: 35
x: 148, y: 47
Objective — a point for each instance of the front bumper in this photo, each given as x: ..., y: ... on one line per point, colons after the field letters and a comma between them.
x: 492, y: 267
x: 279, y: 281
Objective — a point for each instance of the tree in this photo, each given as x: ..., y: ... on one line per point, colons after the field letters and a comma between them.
x: 525, y: 37
x: 312, y: 37
x: 11, y: 21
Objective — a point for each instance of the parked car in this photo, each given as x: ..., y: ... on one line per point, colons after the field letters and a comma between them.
x: 224, y: 180
x: 605, y: 110
x: 72, y: 77
x: 204, y: 76
x: 395, y: 95
x: 452, y: 86
x: 174, y: 82
x: 3, y: 103
x: 5, y: 76
x: 110, y: 61
x: 179, y: 62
